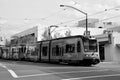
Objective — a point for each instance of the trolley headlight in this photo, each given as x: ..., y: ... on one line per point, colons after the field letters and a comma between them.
x: 91, y: 55
x: 87, y: 55
x: 96, y: 55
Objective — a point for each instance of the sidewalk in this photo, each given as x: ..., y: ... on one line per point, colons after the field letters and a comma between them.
x: 108, y: 65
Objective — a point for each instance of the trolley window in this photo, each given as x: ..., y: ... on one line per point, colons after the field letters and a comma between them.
x: 90, y: 45
x: 32, y: 50
x: 56, y: 51
x: 70, y: 48
x: 78, y: 46
x: 44, y: 50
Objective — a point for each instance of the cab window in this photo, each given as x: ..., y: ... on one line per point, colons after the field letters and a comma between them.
x: 90, y: 45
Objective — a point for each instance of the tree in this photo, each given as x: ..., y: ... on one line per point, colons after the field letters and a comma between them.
x: 45, y: 34
x: 57, y: 35
x: 68, y: 33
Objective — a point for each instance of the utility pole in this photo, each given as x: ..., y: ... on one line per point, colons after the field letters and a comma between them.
x: 49, y: 31
x: 86, y: 31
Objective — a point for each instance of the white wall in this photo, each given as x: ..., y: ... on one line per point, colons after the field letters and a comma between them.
x: 109, y: 52
x: 116, y: 52
x: 112, y: 52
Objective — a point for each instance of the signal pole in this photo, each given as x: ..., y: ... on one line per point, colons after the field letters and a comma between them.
x: 86, y: 31
x: 49, y: 30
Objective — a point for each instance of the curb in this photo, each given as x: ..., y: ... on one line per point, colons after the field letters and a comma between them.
x: 109, y: 64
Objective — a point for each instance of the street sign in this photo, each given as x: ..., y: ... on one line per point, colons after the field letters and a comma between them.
x: 87, y: 33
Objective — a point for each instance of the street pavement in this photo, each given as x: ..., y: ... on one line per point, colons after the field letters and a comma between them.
x: 22, y: 70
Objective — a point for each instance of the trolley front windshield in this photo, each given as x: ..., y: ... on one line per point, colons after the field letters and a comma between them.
x: 90, y: 45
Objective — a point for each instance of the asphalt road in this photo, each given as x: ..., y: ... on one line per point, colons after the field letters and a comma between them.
x: 21, y: 70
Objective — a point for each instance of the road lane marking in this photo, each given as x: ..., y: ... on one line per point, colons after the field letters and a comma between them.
x: 71, y: 67
x: 88, y: 77
x: 9, y: 70
x: 13, y: 73
x: 45, y: 74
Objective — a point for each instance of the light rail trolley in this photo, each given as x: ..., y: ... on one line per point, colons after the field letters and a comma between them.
x: 72, y: 50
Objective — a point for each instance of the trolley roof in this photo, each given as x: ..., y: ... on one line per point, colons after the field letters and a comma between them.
x: 76, y: 36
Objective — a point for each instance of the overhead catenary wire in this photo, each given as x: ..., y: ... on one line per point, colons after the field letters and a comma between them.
x: 96, y: 22
x: 110, y: 18
x: 100, y: 20
x: 45, y: 28
x: 89, y: 15
x: 55, y: 13
x: 61, y: 23
x: 116, y: 16
x: 43, y: 18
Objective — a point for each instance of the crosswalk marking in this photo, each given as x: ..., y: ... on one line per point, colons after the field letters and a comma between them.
x: 9, y: 70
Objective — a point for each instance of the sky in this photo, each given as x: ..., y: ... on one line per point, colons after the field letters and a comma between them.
x: 19, y: 15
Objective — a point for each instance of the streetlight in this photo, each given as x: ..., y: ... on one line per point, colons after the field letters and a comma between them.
x: 49, y: 30
x: 86, y: 32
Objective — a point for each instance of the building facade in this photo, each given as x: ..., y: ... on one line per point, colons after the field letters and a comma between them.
x: 91, y: 23
x: 24, y: 44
